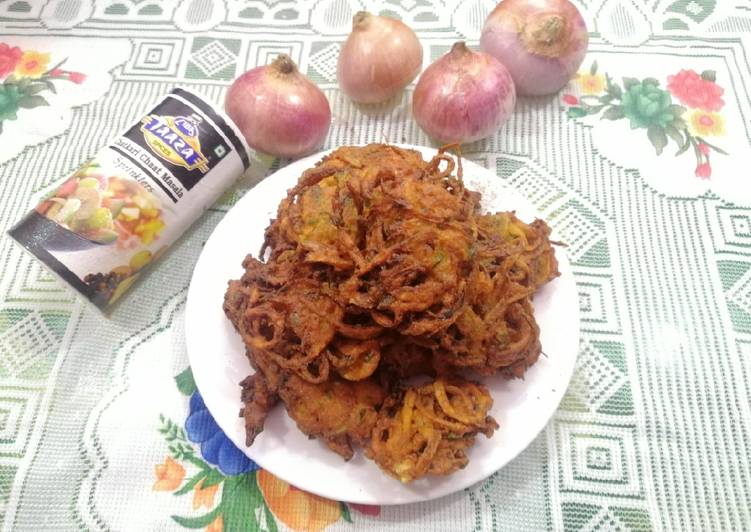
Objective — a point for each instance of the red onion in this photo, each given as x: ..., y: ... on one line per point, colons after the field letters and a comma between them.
x: 542, y: 42
x: 278, y: 109
x: 463, y: 96
x: 379, y: 58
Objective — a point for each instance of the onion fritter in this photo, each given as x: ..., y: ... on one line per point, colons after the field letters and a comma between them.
x: 426, y: 429
x: 379, y: 267
x: 338, y: 412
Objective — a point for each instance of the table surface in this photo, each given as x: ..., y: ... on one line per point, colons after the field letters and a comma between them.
x: 98, y: 417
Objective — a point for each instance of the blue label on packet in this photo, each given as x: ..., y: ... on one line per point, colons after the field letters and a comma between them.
x: 184, y: 136
x: 119, y: 212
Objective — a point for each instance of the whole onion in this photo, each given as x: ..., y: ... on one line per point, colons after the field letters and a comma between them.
x: 380, y: 57
x: 278, y: 109
x: 463, y: 96
x: 541, y: 42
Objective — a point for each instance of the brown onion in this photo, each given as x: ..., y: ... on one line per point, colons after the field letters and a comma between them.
x: 541, y: 42
x: 278, y: 109
x: 380, y: 57
x: 463, y: 96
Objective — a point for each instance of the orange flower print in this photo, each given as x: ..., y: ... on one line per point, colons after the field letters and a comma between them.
x: 169, y: 475
x: 295, y: 508
x: 591, y: 83
x: 204, y: 496
x: 217, y: 525
x: 649, y: 107
x: 32, y: 65
x: 705, y: 123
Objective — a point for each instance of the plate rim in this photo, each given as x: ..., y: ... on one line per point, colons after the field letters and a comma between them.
x: 268, y: 183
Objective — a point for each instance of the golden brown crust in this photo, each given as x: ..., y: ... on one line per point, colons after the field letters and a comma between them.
x: 380, y: 268
x: 426, y: 429
x: 338, y: 412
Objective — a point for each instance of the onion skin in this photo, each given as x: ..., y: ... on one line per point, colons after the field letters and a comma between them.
x: 463, y: 96
x: 378, y: 59
x: 279, y: 110
x: 541, y: 42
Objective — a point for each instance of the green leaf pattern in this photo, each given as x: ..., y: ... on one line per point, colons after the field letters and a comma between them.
x: 26, y: 92
x: 649, y: 107
x: 657, y: 137
x: 241, y: 500
x: 241, y: 505
x: 185, y: 382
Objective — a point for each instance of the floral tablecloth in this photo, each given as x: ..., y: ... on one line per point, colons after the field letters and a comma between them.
x: 643, y: 164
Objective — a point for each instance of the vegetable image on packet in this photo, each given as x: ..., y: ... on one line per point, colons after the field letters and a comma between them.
x: 119, y: 212
x: 105, y: 209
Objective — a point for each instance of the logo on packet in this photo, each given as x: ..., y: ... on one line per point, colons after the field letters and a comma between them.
x: 175, y: 139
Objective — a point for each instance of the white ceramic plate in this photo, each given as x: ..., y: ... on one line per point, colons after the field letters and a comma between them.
x: 521, y: 407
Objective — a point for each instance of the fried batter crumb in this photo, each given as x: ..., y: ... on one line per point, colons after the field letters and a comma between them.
x: 381, y: 267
